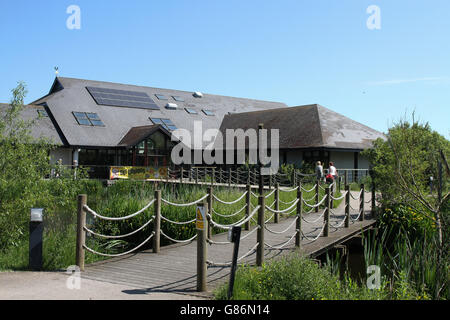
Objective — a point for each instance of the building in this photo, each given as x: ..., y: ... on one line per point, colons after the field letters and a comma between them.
x: 101, y: 124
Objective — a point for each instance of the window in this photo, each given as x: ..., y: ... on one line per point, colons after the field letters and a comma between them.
x: 191, y: 111
x: 161, y: 97
x: 88, y: 119
x: 209, y: 112
x: 178, y: 98
x: 166, y: 123
x: 42, y: 113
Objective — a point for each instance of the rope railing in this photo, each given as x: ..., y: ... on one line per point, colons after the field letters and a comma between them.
x: 184, y: 204
x: 119, y: 236
x: 315, y: 205
x: 178, y: 241
x: 284, y: 210
x: 317, y: 237
x: 231, y: 202
x: 229, y: 215
x: 228, y: 242
x: 282, y: 246
x: 226, y: 264
x: 237, y: 224
x: 281, y: 232
x: 118, y: 254
x: 95, y: 214
x: 318, y: 218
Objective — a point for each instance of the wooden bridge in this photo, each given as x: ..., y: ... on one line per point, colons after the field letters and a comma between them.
x: 174, y: 267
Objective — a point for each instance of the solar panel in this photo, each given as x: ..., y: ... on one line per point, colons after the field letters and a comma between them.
x: 122, y: 98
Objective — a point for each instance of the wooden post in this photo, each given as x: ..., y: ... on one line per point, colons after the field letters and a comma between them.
x: 181, y: 175
x: 202, y: 254
x: 347, y: 206
x: 213, y: 178
x: 346, y: 177
x: 260, y: 235
x: 210, y: 211
x: 196, y: 175
x: 157, y: 222
x: 294, y: 178
x: 317, y: 195
x: 261, y: 181
x: 81, y: 234
x: 276, y: 216
x: 361, y: 206
x: 220, y: 175
x: 298, y: 224
x: 326, y: 230
x: 248, y: 199
x: 229, y: 177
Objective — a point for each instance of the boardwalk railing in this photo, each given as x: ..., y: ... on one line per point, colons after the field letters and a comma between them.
x: 301, y: 207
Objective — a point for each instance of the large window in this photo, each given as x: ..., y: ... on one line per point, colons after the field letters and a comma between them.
x: 88, y: 119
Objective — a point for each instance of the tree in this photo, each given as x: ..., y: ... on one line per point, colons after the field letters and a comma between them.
x: 402, y: 167
x: 24, y: 161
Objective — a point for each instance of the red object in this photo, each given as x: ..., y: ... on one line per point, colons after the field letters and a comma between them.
x: 329, y: 176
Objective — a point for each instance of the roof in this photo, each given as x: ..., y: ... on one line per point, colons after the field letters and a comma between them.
x: 137, y: 134
x: 70, y: 95
x: 309, y: 126
x: 43, y: 128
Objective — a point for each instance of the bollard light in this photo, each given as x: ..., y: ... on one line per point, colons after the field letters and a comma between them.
x: 36, y: 232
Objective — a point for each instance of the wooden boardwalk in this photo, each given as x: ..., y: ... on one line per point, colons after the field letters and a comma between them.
x: 174, y: 268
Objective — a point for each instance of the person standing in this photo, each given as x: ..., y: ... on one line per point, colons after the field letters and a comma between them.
x: 333, y: 171
x: 319, y: 171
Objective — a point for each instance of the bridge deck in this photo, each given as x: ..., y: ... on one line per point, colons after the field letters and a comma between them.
x: 174, y: 268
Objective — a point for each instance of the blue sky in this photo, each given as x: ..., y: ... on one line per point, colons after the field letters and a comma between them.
x: 293, y: 51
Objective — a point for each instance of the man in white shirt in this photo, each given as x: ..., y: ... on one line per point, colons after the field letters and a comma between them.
x: 333, y: 171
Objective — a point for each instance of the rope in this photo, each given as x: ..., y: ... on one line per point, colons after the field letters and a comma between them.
x: 314, y: 239
x: 184, y: 204
x: 288, y: 190
x: 232, y: 202
x: 175, y: 222
x: 225, y: 264
x: 315, y: 205
x: 285, y: 210
x: 339, y: 225
x: 357, y: 216
x: 269, y: 194
x: 359, y: 195
x: 316, y: 219
x: 341, y: 197
x: 225, y: 243
x: 178, y: 241
x: 85, y: 207
x: 281, y: 232
x: 119, y: 254
x: 290, y: 202
x: 231, y: 215
x: 119, y: 236
x: 308, y: 191
x: 282, y: 246
x: 239, y: 223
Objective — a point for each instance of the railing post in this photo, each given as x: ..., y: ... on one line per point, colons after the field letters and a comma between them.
x: 210, y: 211
x: 298, y: 224
x: 276, y: 216
x: 317, y: 195
x: 157, y: 222
x: 229, y: 177
x: 361, y: 203
x: 260, y: 235
x: 220, y: 175
x: 202, y: 254
x: 196, y: 175
x: 346, y: 177
x: 81, y: 234
x: 326, y: 230
x: 347, y: 206
x: 181, y: 175
x: 248, y: 200
x: 213, y: 178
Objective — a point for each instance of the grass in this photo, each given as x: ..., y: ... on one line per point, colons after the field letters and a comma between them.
x: 120, y: 199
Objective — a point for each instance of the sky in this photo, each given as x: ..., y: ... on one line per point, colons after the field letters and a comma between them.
x: 373, y: 66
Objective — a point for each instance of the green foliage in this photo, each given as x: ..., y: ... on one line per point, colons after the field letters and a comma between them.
x: 293, y: 278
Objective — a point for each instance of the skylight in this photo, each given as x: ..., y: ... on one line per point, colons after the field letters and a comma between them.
x: 178, y: 98
x: 209, y: 112
x: 161, y: 97
x: 88, y: 119
x: 191, y: 111
x: 165, y: 123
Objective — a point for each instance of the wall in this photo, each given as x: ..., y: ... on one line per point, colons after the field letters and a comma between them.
x: 293, y: 157
x: 61, y: 153
x: 342, y: 159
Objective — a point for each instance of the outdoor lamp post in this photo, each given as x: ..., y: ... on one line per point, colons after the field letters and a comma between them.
x: 36, y: 231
